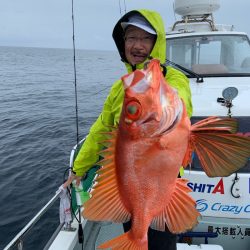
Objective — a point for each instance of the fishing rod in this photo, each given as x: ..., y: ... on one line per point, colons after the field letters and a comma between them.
x: 75, y: 83
x: 80, y: 230
x: 124, y: 5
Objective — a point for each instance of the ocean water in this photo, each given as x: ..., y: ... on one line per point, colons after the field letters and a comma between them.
x: 38, y: 128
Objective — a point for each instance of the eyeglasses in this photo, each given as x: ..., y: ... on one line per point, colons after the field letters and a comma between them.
x: 146, y: 40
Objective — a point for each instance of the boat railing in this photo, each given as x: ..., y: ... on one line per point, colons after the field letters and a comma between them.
x: 205, y: 18
x: 17, y: 241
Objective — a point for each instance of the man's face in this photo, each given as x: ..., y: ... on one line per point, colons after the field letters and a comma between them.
x: 138, y: 44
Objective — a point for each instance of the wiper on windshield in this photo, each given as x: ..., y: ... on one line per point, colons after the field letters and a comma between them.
x: 190, y: 72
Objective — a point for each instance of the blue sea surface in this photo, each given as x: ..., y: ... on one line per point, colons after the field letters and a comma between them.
x: 38, y: 128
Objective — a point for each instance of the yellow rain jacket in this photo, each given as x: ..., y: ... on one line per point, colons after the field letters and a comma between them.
x: 110, y: 115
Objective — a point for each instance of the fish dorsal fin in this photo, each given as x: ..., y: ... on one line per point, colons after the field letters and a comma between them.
x: 220, y: 152
x: 105, y: 203
x: 180, y: 213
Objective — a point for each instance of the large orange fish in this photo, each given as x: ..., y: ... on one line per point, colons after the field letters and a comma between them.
x: 138, y: 180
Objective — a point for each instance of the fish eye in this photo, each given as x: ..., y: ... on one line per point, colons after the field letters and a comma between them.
x: 133, y: 110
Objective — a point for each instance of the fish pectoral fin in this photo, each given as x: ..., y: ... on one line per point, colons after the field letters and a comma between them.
x: 218, y: 124
x: 124, y: 242
x: 180, y: 213
x: 220, y: 153
x: 105, y: 203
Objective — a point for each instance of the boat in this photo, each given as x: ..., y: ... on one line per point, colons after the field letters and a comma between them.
x: 216, y: 59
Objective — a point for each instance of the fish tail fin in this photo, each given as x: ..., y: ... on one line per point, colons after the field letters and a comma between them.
x: 124, y: 242
x: 180, y: 214
x: 221, y: 152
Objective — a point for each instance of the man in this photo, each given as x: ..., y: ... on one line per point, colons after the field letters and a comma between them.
x: 138, y: 35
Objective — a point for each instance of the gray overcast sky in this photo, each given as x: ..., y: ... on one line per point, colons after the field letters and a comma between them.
x: 47, y: 23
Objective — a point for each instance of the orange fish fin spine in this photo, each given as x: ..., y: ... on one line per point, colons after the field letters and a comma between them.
x: 188, y: 155
x: 180, y: 214
x: 159, y: 222
x: 105, y: 203
x: 124, y: 242
x: 217, y: 124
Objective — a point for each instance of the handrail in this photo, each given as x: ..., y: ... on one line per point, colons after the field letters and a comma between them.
x: 18, y: 237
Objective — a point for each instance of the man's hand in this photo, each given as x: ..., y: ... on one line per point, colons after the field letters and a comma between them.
x: 71, y: 178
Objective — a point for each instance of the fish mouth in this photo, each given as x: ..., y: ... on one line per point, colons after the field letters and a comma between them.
x: 151, y: 118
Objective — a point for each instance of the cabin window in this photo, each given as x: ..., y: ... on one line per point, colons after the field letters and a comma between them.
x: 208, y: 53
x: 211, y: 54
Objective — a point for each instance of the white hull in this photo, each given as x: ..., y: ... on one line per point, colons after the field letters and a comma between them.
x: 97, y: 233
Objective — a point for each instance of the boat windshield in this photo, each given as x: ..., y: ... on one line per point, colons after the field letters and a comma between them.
x: 211, y: 55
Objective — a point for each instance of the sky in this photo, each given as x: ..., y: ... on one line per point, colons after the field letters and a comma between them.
x: 48, y: 23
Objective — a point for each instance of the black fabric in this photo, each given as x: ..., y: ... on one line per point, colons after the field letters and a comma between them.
x: 157, y: 240
x: 164, y: 71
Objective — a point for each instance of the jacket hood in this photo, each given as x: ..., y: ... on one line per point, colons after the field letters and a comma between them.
x: 159, y: 49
